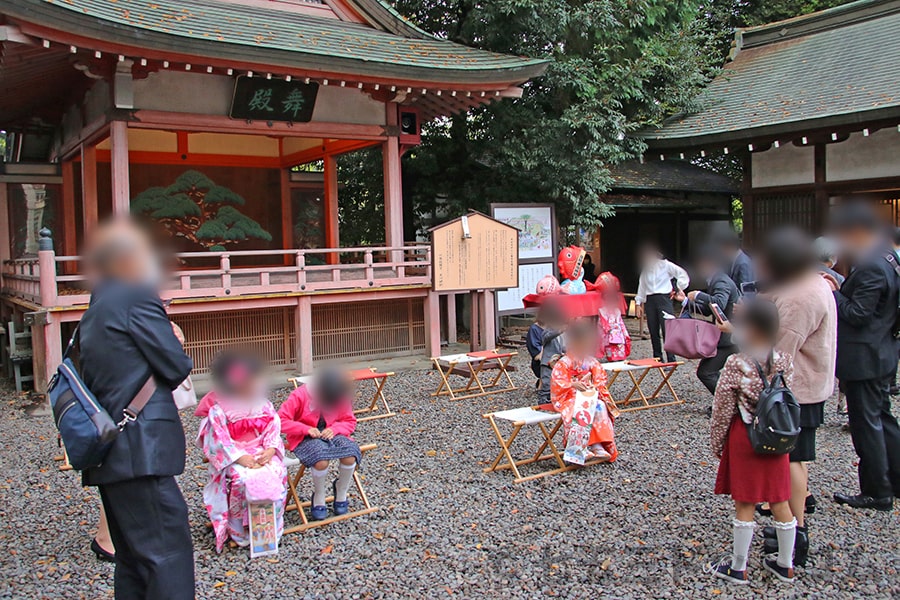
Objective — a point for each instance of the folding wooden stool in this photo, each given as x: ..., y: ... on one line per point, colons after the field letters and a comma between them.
x: 644, y: 367
x: 378, y: 380
x: 295, y: 503
x: 549, y: 423
x: 471, y: 366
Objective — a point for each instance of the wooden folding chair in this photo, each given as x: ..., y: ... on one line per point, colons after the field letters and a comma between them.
x: 294, y: 502
x: 471, y: 366
x: 549, y: 423
x: 378, y: 380
x: 644, y: 367
x: 373, y: 411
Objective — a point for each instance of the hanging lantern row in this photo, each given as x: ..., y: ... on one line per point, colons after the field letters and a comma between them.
x: 409, y: 91
x: 725, y: 150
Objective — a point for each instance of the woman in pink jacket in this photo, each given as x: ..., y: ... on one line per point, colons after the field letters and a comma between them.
x: 318, y: 421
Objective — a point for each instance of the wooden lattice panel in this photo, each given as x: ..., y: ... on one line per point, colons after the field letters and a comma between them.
x: 269, y: 332
x: 368, y: 329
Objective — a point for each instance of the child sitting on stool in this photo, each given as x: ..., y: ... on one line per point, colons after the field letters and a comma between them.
x: 240, y: 435
x: 589, y: 426
x: 318, y: 421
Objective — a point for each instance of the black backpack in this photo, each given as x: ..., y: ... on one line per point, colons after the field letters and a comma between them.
x: 776, y: 424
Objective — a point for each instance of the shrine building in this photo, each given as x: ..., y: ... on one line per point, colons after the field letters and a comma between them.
x: 197, y: 113
x: 811, y: 105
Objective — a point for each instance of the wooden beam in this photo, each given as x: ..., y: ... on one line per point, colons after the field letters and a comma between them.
x: 820, y: 186
x: 287, y: 217
x: 5, y: 222
x: 69, y: 244
x: 121, y: 190
x: 147, y: 157
x: 332, y: 234
x: 393, y: 191
x: 89, y: 187
x: 155, y: 119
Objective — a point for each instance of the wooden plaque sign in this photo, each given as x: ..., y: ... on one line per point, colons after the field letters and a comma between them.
x: 474, y: 252
x: 261, y: 99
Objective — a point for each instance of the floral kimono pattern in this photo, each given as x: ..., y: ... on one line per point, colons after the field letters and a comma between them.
x: 615, y: 341
x: 563, y: 398
x: 224, y: 440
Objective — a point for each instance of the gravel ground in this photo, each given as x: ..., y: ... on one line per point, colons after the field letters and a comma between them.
x: 641, y: 528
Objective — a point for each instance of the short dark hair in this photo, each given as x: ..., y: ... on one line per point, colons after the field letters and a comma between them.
x: 896, y: 236
x: 788, y: 252
x: 762, y: 315
x: 708, y: 252
x: 330, y: 386
x: 855, y: 215
x: 728, y: 238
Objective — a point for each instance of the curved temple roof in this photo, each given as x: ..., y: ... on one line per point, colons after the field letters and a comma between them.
x: 836, y: 67
x: 386, y: 46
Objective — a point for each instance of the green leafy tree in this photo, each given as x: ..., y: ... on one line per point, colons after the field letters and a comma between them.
x: 197, y: 209
x: 617, y: 66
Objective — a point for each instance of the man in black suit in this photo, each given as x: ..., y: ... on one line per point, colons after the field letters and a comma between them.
x: 125, y: 337
x: 721, y: 291
x: 867, y: 354
x: 738, y: 265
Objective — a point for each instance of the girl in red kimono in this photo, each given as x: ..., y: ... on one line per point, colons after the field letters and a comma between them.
x: 587, y: 416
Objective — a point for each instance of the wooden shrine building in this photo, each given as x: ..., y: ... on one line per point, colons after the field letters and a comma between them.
x: 812, y: 106
x: 194, y: 113
x: 673, y: 203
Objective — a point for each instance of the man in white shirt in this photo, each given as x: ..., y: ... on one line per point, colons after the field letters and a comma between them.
x: 655, y: 291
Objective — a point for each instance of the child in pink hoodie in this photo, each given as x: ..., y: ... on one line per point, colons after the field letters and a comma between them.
x: 318, y: 421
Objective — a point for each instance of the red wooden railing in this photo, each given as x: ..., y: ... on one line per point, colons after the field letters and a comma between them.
x: 215, y: 275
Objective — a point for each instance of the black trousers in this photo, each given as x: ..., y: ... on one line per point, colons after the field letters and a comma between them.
x: 876, y: 436
x: 709, y: 369
x: 148, y: 522
x: 654, y: 306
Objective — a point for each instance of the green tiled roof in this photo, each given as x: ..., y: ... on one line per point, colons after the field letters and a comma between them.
x: 835, y: 67
x: 669, y: 175
x: 277, y: 38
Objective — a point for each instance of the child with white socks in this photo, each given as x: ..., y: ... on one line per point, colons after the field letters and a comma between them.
x: 318, y: 421
x: 748, y: 477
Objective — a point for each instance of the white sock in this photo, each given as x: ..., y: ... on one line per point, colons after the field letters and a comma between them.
x: 345, y: 478
x: 318, y: 478
x: 743, y: 537
x: 786, y: 534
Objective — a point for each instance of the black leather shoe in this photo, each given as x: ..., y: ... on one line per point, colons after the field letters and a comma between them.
x: 862, y: 501
x: 101, y: 553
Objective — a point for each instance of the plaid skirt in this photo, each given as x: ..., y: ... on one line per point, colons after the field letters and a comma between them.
x: 313, y: 450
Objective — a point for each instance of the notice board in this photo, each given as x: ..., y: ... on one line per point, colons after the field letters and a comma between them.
x: 474, y: 252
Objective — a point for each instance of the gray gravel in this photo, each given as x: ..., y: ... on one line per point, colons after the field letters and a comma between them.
x: 641, y: 528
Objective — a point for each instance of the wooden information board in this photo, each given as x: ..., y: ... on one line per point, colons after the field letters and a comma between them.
x: 488, y: 259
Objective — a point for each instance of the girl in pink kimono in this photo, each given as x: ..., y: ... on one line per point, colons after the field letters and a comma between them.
x: 241, y: 436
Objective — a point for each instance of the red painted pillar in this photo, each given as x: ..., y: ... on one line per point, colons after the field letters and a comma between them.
x: 121, y: 192
x: 433, y: 324
x: 332, y: 232
x: 89, y: 187
x: 393, y: 190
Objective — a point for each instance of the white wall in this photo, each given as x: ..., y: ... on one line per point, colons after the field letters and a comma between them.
x: 861, y: 157
x: 787, y: 165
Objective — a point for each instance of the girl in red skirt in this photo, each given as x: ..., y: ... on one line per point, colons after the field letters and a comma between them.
x: 748, y: 477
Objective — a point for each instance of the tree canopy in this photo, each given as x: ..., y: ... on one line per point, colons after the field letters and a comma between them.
x: 617, y: 66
